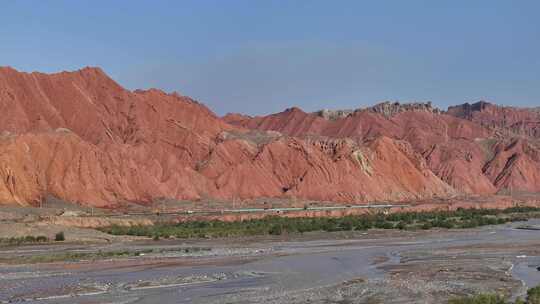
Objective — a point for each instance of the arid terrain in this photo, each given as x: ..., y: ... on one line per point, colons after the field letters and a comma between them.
x: 375, y: 266
x: 82, y: 138
x: 79, y: 154
x: 356, y: 265
x: 274, y: 152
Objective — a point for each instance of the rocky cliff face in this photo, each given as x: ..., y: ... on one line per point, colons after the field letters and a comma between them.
x: 386, y: 109
x: 334, y: 114
x: 389, y: 109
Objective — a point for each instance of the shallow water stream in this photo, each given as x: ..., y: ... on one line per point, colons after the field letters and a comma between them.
x: 291, y: 266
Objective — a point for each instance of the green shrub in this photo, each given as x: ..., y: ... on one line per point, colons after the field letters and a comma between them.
x: 480, y: 299
x: 400, y: 226
x: 275, y: 230
x: 426, y: 226
x: 533, y: 295
x: 520, y: 301
x: 59, y: 237
x: 42, y: 239
x: 29, y: 239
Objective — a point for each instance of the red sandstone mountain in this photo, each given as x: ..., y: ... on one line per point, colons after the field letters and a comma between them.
x: 81, y: 137
x: 516, y: 121
x: 470, y: 147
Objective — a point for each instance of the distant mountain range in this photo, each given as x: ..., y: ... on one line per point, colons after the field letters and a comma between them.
x: 81, y: 137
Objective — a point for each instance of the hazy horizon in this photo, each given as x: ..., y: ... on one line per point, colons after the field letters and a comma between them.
x: 258, y: 58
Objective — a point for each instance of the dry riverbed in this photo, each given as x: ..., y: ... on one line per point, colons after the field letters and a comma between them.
x: 378, y: 266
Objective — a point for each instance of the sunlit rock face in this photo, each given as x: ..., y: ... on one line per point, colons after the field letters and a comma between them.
x: 81, y: 137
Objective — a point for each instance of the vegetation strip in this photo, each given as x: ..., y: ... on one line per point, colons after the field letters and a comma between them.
x: 30, y: 239
x: 274, y: 225
x: 533, y: 297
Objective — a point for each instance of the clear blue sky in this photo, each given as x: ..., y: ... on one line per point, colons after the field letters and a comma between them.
x: 258, y: 57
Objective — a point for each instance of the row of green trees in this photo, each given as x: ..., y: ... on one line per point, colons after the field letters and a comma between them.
x: 273, y: 225
x: 30, y: 239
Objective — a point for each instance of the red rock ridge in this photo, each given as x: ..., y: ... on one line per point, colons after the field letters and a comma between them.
x: 507, y: 120
x: 81, y: 137
x: 461, y: 146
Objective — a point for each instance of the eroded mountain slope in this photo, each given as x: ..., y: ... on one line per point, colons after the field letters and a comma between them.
x: 467, y: 147
x: 81, y: 137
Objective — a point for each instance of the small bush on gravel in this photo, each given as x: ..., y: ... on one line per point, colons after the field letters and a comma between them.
x: 59, y: 237
x: 29, y: 239
x: 480, y: 299
x: 276, y: 230
x: 533, y: 295
x: 42, y: 239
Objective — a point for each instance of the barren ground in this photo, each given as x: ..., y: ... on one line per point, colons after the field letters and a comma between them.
x: 378, y: 266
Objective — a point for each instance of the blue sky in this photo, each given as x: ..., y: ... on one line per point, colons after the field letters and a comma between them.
x: 259, y: 57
